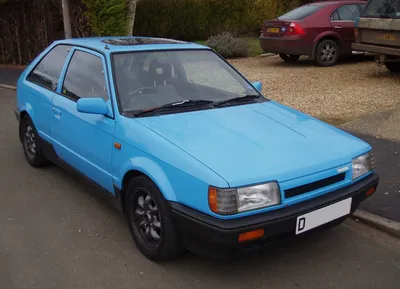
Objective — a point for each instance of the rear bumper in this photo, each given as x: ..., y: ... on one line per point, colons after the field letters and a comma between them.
x: 295, y: 45
x: 206, y: 235
x: 376, y: 49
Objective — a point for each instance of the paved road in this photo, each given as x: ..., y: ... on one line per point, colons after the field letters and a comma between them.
x: 386, y: 201
x: 55, y: 233
x: 9, y: 76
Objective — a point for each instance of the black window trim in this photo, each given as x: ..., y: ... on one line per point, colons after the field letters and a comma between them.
x: 102, y: 56
x: 40, y: 60
x: 130, y: 115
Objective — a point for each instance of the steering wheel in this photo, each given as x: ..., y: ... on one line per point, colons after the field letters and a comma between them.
x: 143, y: 90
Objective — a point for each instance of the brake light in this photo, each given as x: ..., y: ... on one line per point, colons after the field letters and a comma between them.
x: 294, y: 29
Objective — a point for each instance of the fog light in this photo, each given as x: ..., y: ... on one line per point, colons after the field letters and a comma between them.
x: 251, y: 235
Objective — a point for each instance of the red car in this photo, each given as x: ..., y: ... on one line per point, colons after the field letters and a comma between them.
x: 322, y: 30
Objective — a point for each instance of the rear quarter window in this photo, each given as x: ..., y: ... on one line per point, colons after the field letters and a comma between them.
x: 300, y: 13
x: 47, y: 72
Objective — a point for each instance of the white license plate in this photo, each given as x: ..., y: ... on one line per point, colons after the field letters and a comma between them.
x: 322, y: 216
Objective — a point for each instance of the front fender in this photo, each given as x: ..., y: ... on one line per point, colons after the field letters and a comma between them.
x: 152, y: 170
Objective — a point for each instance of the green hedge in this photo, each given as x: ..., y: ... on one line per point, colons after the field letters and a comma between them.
x: 200, y: 19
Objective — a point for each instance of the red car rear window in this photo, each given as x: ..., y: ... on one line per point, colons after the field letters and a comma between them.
x: 300, y: 13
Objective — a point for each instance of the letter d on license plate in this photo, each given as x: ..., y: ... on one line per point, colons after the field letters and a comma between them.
x: 322, y: 216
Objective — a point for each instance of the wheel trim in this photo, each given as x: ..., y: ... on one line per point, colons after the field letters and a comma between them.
x: 328, y: 53
x: 30, y: 141
x: 146, y: 219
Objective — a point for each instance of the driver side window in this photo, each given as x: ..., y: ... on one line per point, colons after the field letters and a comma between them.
x: 85, y: 77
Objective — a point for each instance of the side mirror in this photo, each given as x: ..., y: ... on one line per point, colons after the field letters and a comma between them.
x: 92, y: 105
x: 258, y: 85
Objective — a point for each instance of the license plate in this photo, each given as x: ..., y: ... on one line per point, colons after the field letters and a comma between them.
x: 390, y: 37
x: 322, y: 216
x: 273, y: 30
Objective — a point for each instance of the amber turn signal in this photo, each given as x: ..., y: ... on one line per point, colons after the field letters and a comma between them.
x: 212, y: 199
x: 251, y: 235
x: 370, y: 191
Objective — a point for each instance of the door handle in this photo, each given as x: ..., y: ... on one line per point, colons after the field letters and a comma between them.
x: 56, y: 111
x: 338, y: 27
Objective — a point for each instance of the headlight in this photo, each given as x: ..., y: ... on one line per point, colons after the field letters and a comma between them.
x: 233, y: 201
x: 363, y: 164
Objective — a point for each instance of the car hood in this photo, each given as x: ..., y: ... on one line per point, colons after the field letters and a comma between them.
x: 253, y: 143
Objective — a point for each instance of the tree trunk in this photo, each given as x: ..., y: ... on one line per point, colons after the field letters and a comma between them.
x: 131, y: 16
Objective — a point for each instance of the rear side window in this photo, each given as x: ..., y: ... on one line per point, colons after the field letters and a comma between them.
x: 382, y: 8
x: 348, y: 12
x: 85, y: 77
x: 48, y: 70
x: 300, y: 13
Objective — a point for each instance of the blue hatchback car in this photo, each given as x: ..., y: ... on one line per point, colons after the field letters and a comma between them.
x: 185, y: 146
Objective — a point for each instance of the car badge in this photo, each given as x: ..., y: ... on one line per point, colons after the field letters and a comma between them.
x: 342, y: 170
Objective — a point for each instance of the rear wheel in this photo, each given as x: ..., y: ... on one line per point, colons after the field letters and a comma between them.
x: 31, y: 144
x: 289, y: 57
x: 150, y: 221
x: 327, y: 53
x: 393, y: 66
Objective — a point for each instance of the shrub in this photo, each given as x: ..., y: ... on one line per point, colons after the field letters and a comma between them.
x: 228, y: 46
x: 199, y: 19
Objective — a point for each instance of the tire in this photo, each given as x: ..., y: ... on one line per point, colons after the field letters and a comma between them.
x: 148, y: 211
x: 33, y: 150
x: 327, y: 53
x: 393, y: 67
x: 289, y: 57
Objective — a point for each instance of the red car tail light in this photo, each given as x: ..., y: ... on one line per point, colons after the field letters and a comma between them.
x: 294, y: 29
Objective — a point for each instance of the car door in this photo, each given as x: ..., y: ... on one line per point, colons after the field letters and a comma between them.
x: 41, y: 85
x: 342, y: 22
x: 84, y: 141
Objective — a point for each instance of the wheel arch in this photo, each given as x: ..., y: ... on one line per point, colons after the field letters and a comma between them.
x: 22, y: 114
x: 324, y: 36
x: 145, y: 167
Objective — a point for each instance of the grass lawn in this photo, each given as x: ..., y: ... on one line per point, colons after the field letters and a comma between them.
x: 254, y: 46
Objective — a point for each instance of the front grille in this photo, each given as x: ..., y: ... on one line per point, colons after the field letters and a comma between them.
x: 314, y: 186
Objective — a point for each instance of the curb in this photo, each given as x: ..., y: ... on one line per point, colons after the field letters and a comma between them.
x: 5, y: 86
x: 381, y: 223
x: 267, y: 55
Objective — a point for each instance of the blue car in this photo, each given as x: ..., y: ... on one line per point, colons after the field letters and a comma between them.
x: 186, y: 147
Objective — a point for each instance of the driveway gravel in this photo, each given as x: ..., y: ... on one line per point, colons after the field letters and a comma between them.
x: 353, y: 88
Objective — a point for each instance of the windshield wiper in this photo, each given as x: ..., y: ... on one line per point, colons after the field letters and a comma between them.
x: 174, y: 105
x: 237, y: 100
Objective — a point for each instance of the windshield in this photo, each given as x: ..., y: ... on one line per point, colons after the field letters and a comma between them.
x: 382, y: 8
x: 150, y: 79
x: 300, y: 13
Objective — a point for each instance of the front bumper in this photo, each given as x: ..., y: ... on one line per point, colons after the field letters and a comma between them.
x: 206, y: 235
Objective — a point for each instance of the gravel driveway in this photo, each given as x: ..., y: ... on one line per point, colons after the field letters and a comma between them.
x: 349, y: 90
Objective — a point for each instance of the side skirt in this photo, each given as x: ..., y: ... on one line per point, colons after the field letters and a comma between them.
x: 52, y: 156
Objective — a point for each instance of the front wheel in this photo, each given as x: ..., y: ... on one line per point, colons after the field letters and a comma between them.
x: 327, y: 53
x: 289, y: 57
x: 150, y: 221
x: 393, y: 66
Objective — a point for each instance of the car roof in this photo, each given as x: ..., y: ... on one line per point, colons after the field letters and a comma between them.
x: 328, y: 3
x: 112, y: 44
